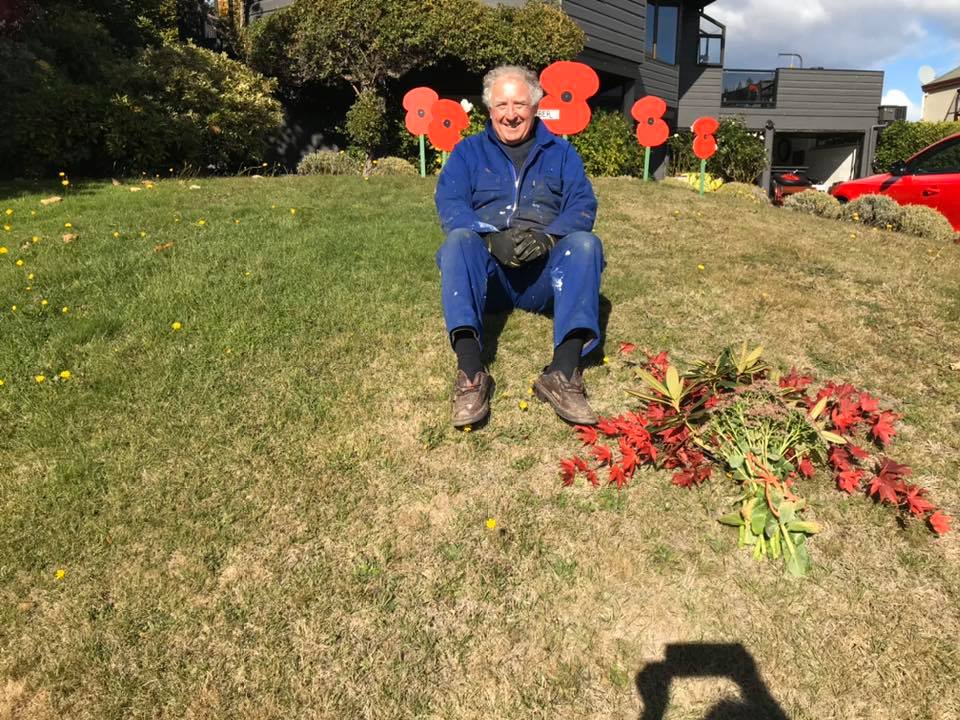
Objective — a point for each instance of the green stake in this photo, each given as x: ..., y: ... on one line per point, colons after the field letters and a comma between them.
x: 703, y: 172
x: 646, y: 164
x: 443, y: 158
x: 423, y: 158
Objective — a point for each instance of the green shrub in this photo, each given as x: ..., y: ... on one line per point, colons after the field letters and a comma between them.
x: 878, y: 210
x: 744, y: 190
x: 608, y: 145
x: 740, y: 155
x: 366, y: 122
x: 329, y: 162
x: 815, y: 203
x: 902, y: 139
x: 393, y: 166
x: 926, y: 222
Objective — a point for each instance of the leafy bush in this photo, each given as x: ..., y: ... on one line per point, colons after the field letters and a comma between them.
x: 366, y: 121
x: 740, y: 155
x: 814, y: 202
x: 608, y: 145
x: 902, y: 139
x: 926, y: 222
x: 329, y: 162
x: 878, y: 210
x: 393, y: 166
x: 744, y: 190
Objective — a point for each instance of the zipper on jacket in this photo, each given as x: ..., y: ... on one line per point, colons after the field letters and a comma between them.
x: 518, y: 177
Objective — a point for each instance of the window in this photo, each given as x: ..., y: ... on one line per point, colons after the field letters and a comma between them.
x: 663, y: 25
x: 944, y: 159
x: 713, y: 37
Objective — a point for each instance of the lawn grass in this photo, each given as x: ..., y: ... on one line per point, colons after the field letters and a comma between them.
x: 266, y: 513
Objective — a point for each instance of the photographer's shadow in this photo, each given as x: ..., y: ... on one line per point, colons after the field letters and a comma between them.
x: 698, y: 660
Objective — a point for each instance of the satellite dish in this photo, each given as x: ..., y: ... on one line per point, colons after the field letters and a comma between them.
x: 926, y: 74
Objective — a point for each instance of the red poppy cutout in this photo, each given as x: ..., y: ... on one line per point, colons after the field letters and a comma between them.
x: 564, y: 108
x: 447, y: 122
x: 652, y: 130
x: 704, y: 143
x: 417, y: 103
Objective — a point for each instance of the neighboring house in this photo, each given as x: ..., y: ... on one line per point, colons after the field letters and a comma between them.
x: 821, y: 121
x: 941, y: 97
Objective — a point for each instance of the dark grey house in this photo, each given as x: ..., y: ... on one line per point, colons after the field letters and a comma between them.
x: 824, y: 121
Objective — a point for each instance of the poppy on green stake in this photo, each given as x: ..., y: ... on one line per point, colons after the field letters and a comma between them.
x: 417, y: 103
x: 448, y: 121
x: 652, y: 130
x: 704, y: 143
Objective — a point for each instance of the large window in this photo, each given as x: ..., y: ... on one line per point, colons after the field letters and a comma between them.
x: 944, y: 159
x: 663, y: 26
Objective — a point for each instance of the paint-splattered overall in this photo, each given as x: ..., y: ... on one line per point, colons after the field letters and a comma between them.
x: 480, y: 191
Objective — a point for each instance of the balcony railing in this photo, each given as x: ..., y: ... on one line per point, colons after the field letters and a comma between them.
x: 749, y: 88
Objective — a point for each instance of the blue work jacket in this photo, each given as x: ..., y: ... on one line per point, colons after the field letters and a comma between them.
x: 481, y: 190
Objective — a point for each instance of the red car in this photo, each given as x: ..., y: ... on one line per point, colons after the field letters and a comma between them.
x: 931, y: 177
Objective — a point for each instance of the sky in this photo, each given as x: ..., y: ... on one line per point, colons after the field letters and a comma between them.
x: 896, y: 36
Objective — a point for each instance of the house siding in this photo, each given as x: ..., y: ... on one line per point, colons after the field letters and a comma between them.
x: 613, y: 27
x: 807, y: 100
x: 661, y: 80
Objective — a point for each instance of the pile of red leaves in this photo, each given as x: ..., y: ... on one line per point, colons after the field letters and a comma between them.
x: 663, y: 437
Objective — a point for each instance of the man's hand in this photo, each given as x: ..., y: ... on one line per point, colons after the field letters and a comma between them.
x: 532, y: 244
x: 502, y: 245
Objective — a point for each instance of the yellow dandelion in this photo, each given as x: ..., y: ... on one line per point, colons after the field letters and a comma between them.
x: 530, y: 391
x: 64, y: 182
x: 44, y: 302
x: 175, y: 326
x: 19, y: 262
x: 201, y: 222
x: 40, y: 379
x: 9, y: 211
x: 273, y: 207
x: 2, y: 382
x: 889, y: 226
x: 142, y: 234
x: 7, y: 227
x: 35, y: 239
x: 3, y: 250
x: 701, y: 267
x: 293, y: 211
x: 30, y: 276
x: 28, y: 288
x: 467, y: 428
x: 176, y: 219
x: 65, y: 374
x: 853, y: 236
x: 33, y: 213
x: 68, y: 225
x: 61, y: 173
x: 116, y: 234
x: 523, y: 405
x: 491, y: 523
x: 606, y: 359
x: 60, y: 574
x: 236, y: 222
x: 65, y: 309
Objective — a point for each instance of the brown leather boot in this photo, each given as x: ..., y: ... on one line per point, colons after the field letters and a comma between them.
x: 568, y: 397
x: 471, y: 398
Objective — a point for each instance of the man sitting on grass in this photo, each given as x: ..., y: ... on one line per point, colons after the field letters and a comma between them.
x: 518, y: 210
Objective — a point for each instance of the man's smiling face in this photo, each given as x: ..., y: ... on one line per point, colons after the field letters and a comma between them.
x: 511, y: 110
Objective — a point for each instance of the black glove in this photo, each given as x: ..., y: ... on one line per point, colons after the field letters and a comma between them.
x: 532, y: 244
x: 502, y: 245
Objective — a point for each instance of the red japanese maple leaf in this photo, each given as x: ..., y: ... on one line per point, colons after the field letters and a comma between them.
x: 887, y: 483
x: 629, y: 460
x: 627, y: 348
x: 592, y: 478
x: 684, y: 478
x: 806, y: 468
x: 617, y: 476
x: 868, y: 403
x: 883, y: 428
x: 587, y: 434
x: 658, y: 364
x: 568, y: 471
x: 858, y: 452
x: 795, y: 381
x: 845, y: 414
x: 940, y: 522
x: 849, y: 480
x: 915, y: 502
x: 608, y: 427
x: 840, y: 458
x: 603, y: 454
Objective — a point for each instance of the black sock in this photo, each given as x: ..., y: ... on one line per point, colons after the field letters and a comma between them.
x: 467, y: 348
x: 566, y: 356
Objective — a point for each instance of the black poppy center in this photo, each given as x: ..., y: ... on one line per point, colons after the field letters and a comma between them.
x: 650, y: 121
x: 421, y: 113
x: 447, y: 123
x: 567, y: 96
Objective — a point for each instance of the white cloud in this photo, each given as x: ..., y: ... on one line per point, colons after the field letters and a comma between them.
x: 863, y: 34
x: 898, y: 97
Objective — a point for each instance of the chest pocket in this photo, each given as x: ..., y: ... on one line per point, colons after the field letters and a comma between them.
x: 548, y: 193
x: 487, y: 190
